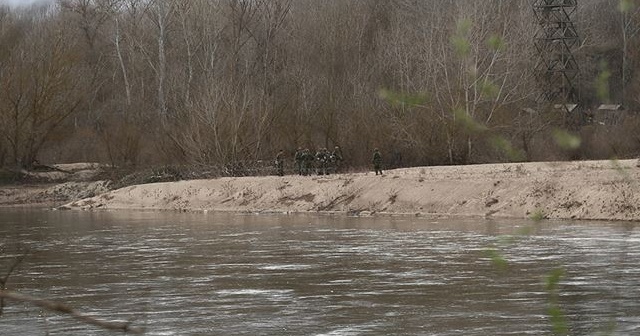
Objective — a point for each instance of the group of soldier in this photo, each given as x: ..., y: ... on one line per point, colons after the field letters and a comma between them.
x: 324, y: 162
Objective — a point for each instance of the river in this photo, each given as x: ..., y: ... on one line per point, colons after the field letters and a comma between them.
x: 235, y: 274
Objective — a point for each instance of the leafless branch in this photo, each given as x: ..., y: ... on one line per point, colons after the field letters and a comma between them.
x: 64, y: 309
x: 3, y: 282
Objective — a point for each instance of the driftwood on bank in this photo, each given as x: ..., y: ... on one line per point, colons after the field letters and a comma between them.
x: 65, y: 309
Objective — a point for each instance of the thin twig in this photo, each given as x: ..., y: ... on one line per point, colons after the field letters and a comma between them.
x: 3, y: 282
x: 62, y: 308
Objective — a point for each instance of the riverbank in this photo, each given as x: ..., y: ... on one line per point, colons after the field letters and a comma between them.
x: 53, y: 186
x: 601, y: 190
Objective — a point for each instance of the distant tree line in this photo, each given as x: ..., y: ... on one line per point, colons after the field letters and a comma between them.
x: 212, y: 82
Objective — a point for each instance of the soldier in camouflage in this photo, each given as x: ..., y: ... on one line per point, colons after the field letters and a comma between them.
x: 377, y: 161
x: 280, y: 163
x: 336, y: 158
x: 299, y: 159
x: 322, y: 161
x: 307, y: 159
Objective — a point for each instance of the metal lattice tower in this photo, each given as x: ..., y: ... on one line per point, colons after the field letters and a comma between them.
x: 555, y: 40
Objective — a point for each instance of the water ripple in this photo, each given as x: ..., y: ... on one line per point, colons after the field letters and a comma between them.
x: 184, y: 274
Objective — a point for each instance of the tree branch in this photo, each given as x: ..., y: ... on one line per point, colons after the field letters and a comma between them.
x: 3, y: 282
x: 64, y: 309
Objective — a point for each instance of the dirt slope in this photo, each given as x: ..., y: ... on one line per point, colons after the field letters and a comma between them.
x: 57, y: 185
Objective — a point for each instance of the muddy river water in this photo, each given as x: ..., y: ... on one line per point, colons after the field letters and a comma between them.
x: 232, y: 274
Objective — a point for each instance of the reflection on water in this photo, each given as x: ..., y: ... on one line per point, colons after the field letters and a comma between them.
x: 224, y: 274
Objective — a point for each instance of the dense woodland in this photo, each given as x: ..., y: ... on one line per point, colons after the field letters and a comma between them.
x: 212, y: 82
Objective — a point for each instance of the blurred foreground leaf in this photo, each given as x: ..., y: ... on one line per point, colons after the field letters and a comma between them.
x: 397, y: 98
x: 558, y: 321
x: 467, y: 122
x: 497, y: 259
x: 625, y: 6
x: 496, y: 43
x: 505, y: 146
x: 489, y: 90
x: 460, y: 40
x: 566, y: 140
x: 556, y: 316
x: 553, y: 280
x: 537, y: 215
x: 602, y: 82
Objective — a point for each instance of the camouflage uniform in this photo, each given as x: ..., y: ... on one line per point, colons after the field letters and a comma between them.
x: 322, y: 160
x: 280, y: 163
x: 307, y: 158
x: 377, y: 161
x: 299, y: 158
x: 336, y: 159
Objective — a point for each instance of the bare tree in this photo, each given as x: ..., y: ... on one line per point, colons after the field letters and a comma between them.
x: 40, y: 89
x: 218, y: 81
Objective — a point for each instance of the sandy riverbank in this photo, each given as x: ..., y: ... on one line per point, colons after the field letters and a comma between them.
x: 604, y: 190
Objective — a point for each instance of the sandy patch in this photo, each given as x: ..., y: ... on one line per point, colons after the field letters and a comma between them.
x: 606, y: 190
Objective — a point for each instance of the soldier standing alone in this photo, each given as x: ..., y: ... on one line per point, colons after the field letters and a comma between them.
x: 299, y: 158
x: 280, y: 163
x: 377, y: 161
x: 336, y: 158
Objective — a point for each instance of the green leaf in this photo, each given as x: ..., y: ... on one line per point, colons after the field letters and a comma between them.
x: 602, y: 82
x: 496, y: 43
x: 566, y: 140
x: 537, y: 215
x: 553, y: 279
x: 397, y: 98
x: 461, y: 46
x: 488, y: 89
x: 497, y: 259
x: 558, y: 321
x: 460, y: 40
x: 625, y: 6
x: 505, y: 146
x: 463, y: 27
x: 467, y: 122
